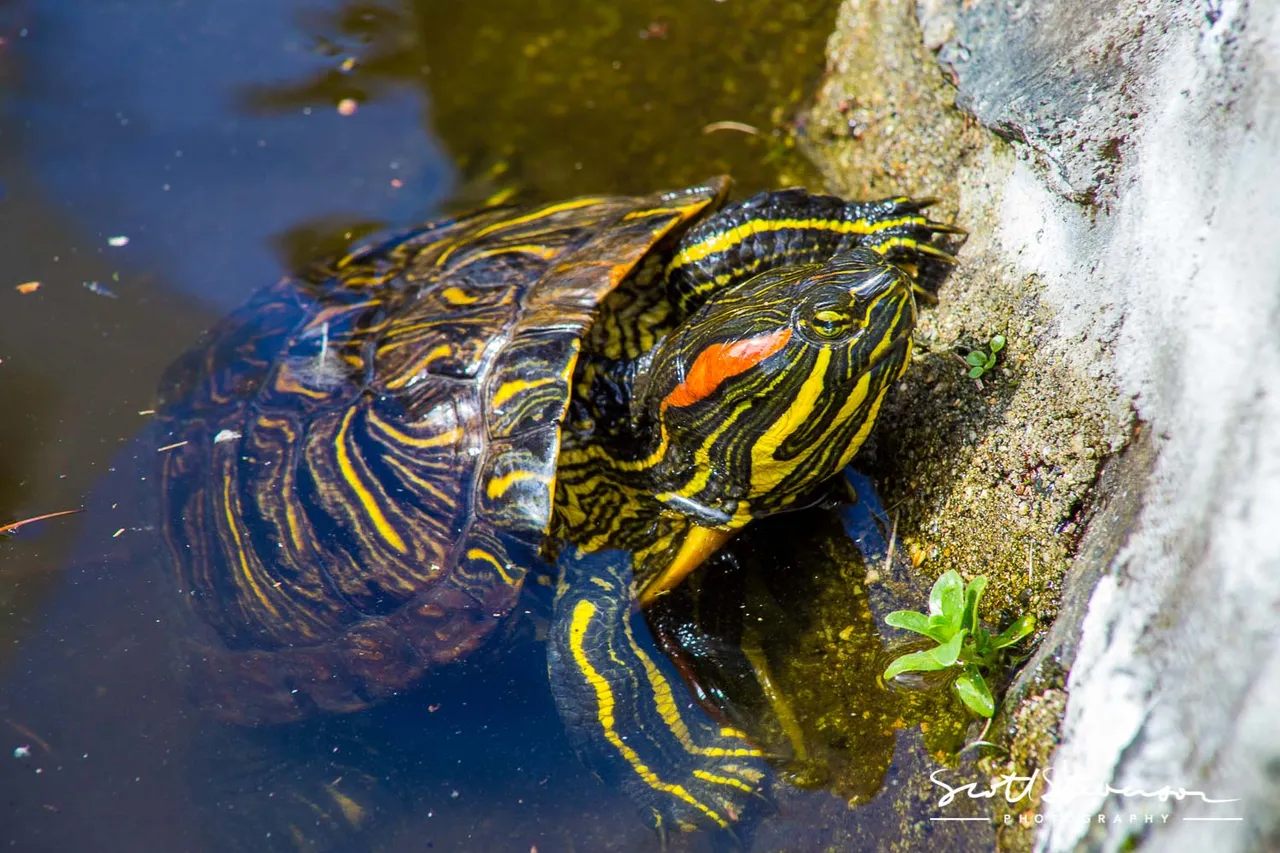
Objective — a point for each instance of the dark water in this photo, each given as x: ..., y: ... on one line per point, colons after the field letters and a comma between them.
x: 209, y: 135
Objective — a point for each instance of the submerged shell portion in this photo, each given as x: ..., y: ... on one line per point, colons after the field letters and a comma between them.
x: 368, y: 454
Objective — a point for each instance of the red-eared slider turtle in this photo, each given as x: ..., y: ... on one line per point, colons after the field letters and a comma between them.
x: 370, y: 457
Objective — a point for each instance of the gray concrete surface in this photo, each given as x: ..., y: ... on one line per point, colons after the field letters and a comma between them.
x: 1144, y: 198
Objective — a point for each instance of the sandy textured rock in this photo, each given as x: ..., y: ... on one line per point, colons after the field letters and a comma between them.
x: 1171, y: 681
x: 1174, y: 673
x: 1121, y: 200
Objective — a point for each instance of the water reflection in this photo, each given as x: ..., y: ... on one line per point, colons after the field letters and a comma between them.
x: 209, y: 134
x: 131, y: 119
x: 119, y: 759
x: 574, y: 95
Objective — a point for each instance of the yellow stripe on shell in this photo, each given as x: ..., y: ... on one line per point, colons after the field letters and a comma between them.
x: 683, y: 210
x: 286, y: 384
x: 442, y: 498
x: 371, y: 508
x: 401, y: 438
x: 544, y: 252
x: 498, y: 486
x: 409, y: 374
x: 228, y: 507
x: 327, y: 315
x: 458, y: 296
x: 510, y: 389
x: 481, y: 554
x: 515, y: 221
x: 287, y: 497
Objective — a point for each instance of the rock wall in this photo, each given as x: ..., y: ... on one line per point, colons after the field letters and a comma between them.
x: 1166, y: 118
x: 1124, y: 213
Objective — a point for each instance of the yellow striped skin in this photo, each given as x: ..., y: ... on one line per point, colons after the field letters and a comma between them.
x: 632, y: 720
x: 759, y: 440
x: 792, y: 227
x: 412, y: 426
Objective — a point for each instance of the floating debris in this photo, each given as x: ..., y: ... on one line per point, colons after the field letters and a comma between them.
x: 146, y: 411
x: 22, y: 752
x: 28, y: 733
x: 28, y: 287
x: 17, y: 525
x: 347, y: 65
x: 348, y: 107
x: 226, y: 435
x: 116, y: 535
x: 94, y: 287
x: 117, y: 242
x: 741, y: 127
x: 173, y: 446
x: 656, y: 30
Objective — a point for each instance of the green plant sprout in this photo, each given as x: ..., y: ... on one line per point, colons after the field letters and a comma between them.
x: 963, y: 643
x: 980, y: 361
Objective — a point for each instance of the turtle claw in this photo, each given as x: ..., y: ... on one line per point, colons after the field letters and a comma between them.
x: 928, y: 297
x: 899, y: 228
x: 915, y: 205
x: 945, y: 228
x: 931, y: 251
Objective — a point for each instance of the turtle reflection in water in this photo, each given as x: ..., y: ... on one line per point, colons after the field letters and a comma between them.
x: 377, y: 452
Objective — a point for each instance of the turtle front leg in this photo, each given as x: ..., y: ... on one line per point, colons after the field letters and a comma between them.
x: 630, y: 717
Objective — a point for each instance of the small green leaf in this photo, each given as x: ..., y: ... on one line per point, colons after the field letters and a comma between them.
x: 982, y: 642
x: 1022, y: 626
x: 930, y: 660
x: 940, y: 628
x: 973, y: 691
x: 975, y: 372
x: 996, y: 344
x: 972, y: 595
x: 914, y: 662
x: 948, y: 653
x: 947, y: 598
x: 909, y: 620
x: 976, y: 358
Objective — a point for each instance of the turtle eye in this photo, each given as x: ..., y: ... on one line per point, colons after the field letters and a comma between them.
x: 829, y: 320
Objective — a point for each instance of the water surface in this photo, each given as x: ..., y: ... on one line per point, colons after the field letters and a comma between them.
x: 159, y: 161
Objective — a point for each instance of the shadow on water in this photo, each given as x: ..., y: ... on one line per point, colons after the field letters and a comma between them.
x: 210, y: 136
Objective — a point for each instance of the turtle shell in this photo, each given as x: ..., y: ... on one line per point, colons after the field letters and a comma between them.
x: 359, y: 464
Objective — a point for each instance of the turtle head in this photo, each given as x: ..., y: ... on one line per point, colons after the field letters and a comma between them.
x: 772, y: 386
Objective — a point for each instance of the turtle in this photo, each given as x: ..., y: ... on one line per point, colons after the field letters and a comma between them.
x: 365, y: 461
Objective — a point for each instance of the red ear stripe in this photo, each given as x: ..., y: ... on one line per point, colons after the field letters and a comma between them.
x: 719, y: 362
